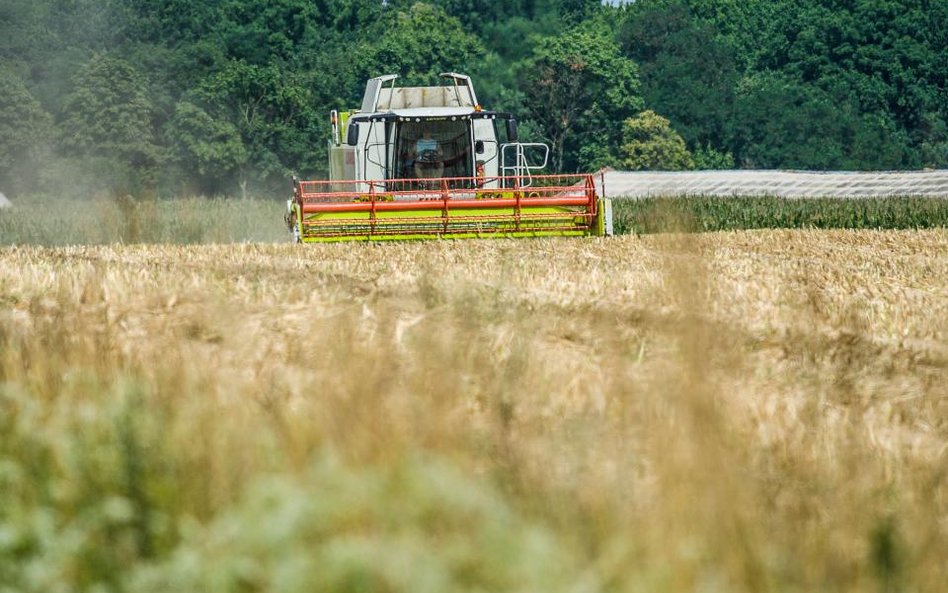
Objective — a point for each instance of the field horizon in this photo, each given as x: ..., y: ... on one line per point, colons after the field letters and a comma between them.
x: 103, y: 220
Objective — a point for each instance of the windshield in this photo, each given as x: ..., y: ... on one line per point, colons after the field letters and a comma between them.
x: 433, y: 148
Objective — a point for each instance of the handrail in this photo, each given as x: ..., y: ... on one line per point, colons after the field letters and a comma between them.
x: 402, y: 191
x: 567, y: 180
x: 520, y: 158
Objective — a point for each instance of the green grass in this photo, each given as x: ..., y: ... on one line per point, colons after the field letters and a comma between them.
x: 702, y: 214
x: 42, y: 220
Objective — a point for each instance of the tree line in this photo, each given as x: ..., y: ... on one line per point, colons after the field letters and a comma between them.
x: 178, y: 96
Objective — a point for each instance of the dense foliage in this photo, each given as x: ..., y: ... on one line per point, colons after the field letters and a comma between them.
x: 172, y: 96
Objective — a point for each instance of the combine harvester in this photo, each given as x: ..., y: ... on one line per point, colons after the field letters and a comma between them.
x: 429, y: 162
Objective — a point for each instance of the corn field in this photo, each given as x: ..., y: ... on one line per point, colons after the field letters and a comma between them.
x: 704, y: 213
x: 722, y: 412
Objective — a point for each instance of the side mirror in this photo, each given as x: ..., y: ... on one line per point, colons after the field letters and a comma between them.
x: 352, y: 134
x: 512, y: 130
x: 479, y: 147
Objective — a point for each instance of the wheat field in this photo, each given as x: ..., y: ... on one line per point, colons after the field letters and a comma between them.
x: 724, y: 412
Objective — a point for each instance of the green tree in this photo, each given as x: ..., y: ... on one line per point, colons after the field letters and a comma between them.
x: 707, y: 157
x: 650, y: 143
x: 108, y: 118
x: 24, y: 129
x: 578, y: 10
x: 687, y: 72
x: 95, y: 25
x: 934, y: 147
x: 870, y: 72
x: 481, y: 16
x: 883, y: 51
x: 262, y: 112
x: 22, y: 32
x: 419, y: 43
x: 577, y: 88
x: 209, y: 148
x: 288, y: 31
x: 173, y: 22
x: 781, y: 122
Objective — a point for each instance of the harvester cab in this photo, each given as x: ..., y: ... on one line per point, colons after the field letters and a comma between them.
x: 430, y: 162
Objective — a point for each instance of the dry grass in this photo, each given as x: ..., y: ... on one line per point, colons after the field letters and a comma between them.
x: 753, y: 411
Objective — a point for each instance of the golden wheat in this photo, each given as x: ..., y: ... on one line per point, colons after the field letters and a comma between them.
x: 749, y: 411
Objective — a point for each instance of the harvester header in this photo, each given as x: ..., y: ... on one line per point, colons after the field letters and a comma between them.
x: 430, y: 162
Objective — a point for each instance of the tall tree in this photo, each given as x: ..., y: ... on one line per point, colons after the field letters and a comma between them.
x: 22, y: 32
x: 688, y: 73
x: 108, y: 116
x: 881, y: 61
x: 262, y: 112
x: 650, y: 143
x: 210, y: 149
x: 24, y: 129
x: 419, y: 43
x: 578, y: 88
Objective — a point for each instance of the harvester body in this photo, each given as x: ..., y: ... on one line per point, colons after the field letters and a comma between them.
x: 429, y: 162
